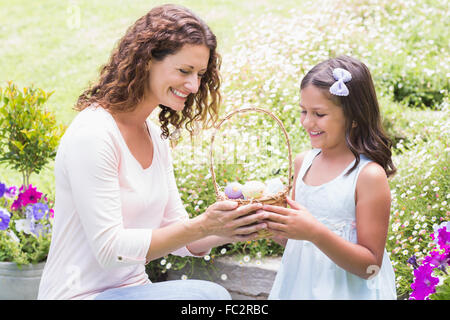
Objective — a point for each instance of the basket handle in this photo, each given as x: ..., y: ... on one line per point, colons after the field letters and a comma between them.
x: 243, y: 110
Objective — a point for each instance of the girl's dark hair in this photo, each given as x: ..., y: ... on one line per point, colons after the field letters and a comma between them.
x: 161, y: 32
x: 360, y: 107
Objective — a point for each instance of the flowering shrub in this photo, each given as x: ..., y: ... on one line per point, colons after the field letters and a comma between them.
x: 435, y: 263
x: 25, y: 224
x: 420, y: 195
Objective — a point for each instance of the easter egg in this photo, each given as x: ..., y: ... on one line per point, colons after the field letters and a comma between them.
x: 274, y: 186
x: 253, y: 189
x: 234, y: 190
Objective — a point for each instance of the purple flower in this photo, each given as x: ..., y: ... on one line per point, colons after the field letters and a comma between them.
x: 39, y: 210
x: 437, y: 260
x: 424, y: 283
x: 11, y: 192
x: 2, y: 189
x: 4, y: 219
x: 413, y: 261
x: 441, y: 235
x: 37, y: 229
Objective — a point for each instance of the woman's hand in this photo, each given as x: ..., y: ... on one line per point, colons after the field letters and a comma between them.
x: 226, y: 219
x: 292, y: 223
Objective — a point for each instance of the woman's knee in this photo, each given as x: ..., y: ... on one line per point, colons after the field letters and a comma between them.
x: 208, y: 290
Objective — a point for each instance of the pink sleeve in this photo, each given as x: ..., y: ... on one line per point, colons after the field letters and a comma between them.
x: 91, y: 164
x: 174, y: 210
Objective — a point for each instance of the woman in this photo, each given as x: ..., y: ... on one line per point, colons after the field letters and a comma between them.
x: 117, y: 204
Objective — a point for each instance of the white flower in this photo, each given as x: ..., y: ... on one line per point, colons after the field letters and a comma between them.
x: 169, y: 265
x: 224, y: 277
x: 184, y: 277
x: 246, y: 258
x: 163, y: 262
x: 207, y: 257
x: 436, y: 189
x: 223, y: 251
x: 23, y: 225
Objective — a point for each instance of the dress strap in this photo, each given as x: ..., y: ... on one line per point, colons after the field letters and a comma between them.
x: 307, y: 161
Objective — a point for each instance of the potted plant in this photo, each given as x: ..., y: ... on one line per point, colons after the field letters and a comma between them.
x: 29, y: 136
x: 25, y: 233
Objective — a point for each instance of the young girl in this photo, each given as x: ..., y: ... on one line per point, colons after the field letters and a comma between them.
x: 338, y: 223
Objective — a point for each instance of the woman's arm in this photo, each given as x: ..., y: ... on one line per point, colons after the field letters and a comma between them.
x: 372, y: 220
x: 221, y: 223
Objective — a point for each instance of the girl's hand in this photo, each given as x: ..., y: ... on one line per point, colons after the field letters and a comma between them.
x: 226, y: 220
x: 292, y: 223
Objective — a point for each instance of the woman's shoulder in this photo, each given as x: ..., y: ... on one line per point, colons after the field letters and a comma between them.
x: 91, y: 125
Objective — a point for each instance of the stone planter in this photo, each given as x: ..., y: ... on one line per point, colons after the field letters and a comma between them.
x: 20, y: 284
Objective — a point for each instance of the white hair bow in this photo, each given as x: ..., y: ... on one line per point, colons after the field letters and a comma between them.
x: 341, y: 76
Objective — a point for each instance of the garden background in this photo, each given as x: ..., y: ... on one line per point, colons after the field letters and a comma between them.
x: 267, y: 46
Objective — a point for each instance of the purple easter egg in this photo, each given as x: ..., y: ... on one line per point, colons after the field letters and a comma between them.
x: 234, y: 190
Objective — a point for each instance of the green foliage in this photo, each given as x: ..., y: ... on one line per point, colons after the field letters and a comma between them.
x: 442, y: 291
x: 29, y: 134
x: 29, y: 249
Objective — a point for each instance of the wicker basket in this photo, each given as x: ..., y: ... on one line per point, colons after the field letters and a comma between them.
x: 278, y: 199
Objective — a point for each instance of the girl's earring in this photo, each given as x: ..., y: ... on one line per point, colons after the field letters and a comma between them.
x: 354, y: 125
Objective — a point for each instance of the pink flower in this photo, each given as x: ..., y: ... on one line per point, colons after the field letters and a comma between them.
x: 25, y: 197
x: 424, y: 283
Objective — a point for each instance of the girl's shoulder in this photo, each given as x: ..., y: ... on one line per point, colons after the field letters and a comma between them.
x: 371, y: 173
x: 300, y: 158
x: 298, y: 161
x: 372, y: 181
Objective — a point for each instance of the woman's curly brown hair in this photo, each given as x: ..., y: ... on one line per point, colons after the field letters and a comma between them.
x: 161, y: 32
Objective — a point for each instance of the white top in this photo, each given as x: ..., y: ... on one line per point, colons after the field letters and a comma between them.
x: 305, y: 271
x: 105, y: 209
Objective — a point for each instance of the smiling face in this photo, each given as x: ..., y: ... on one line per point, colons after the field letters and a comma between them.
x: 174, y: 78
x: 323, y: 120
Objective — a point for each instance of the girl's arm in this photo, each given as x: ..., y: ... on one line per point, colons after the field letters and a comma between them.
x: 297, y: 165
x: 363, y: 258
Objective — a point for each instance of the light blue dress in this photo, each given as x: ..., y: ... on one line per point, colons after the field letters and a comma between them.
x: 305, y: 271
